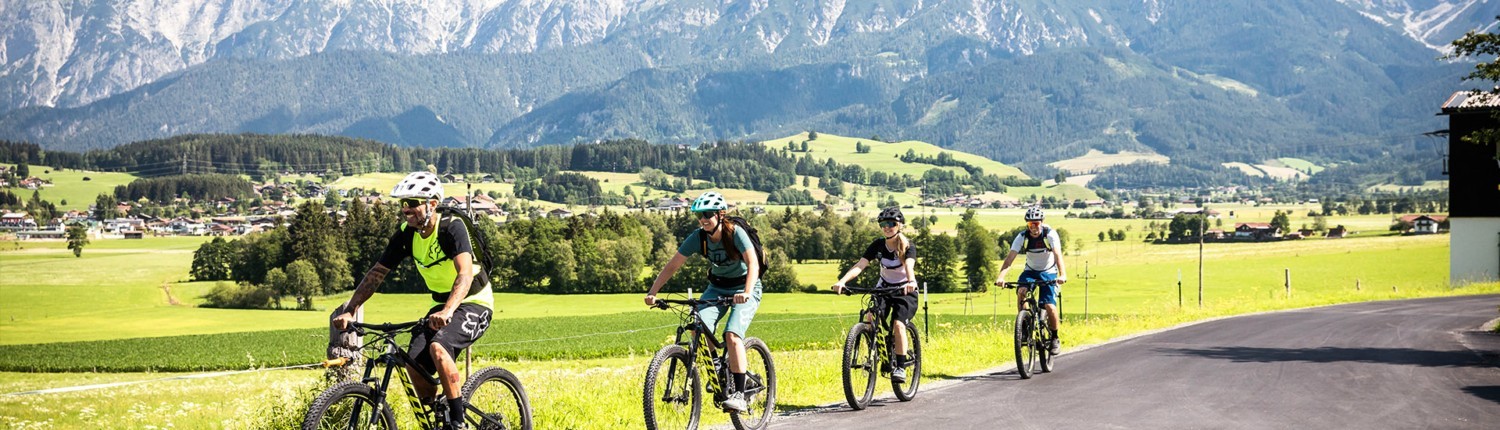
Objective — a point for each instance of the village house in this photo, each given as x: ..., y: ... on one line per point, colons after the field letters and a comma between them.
x: 1214, y: 234
x: 1256, y: 231
x: 17, y: 220
x: 217, y: 229
x: 186, y: 227
x: 671, y: 203
x: 483, y: 204
x: 116, y: 225
x: 1337, y: 232
x: 34, y: 183
x: 560, y: 213
x: 1422, y: 224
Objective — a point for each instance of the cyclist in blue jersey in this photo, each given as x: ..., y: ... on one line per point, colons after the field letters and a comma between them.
x: 735, y: 272
x: 1044, y: 263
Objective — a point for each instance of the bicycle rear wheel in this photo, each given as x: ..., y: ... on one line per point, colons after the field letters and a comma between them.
x: 760, y: 393
x: 908, y: 390
x: 1025, y: 347
x: 859, y: 366
x: 672, y: 397
x: 348, y: 405
x: 496, y: 401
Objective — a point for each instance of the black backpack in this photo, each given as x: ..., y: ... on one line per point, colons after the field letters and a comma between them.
x: 739, y: 222
x: 481, y: 246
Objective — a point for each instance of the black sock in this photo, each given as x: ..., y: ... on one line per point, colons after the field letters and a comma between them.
x: 456, y: 410
x: 900, y: 360
x: 739, y: 382
x: 1054, y: 334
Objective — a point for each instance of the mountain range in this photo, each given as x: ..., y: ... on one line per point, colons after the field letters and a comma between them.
x: 1020, y: 81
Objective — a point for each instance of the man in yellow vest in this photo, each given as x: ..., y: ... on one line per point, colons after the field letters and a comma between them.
x: 463, y: 300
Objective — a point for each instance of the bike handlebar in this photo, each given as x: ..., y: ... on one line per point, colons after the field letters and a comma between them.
x: 847, y: 290
x: 663, y: 303
x: 385, y: 327
x: 1013, y: 285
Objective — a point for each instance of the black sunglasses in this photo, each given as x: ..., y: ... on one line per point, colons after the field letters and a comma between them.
x: 707, y: 214
x: 411, y: 203
x: 887, y: 224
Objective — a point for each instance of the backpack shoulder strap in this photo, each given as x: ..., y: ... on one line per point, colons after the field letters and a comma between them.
x: 703, y: 241
x: 1046, y: 231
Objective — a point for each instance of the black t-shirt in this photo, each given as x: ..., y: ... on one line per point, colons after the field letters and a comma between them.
x: 892, y: 269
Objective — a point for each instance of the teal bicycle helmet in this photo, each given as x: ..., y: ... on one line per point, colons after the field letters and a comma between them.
x: 709, y: 201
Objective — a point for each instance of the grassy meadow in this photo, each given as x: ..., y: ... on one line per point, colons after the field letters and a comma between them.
x: 883, y: 156
x: 69, y: 185
x: 106, y: 318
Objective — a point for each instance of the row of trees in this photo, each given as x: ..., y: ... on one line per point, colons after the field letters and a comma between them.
x: 610, y: 253
x: 195, y: 187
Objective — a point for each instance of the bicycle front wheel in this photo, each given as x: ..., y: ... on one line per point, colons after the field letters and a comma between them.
x: 1044, y: 343
x: 496, y: 401
x: 760, y: 390
x: 1025, y: 347
x: 673, y: 397
x: 348, y: 405
x: 908, y: 390
x: 859, y: 366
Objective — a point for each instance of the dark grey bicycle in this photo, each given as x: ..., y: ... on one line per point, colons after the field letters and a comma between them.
x: 1032, y: 337
x: 673, y: 395
x: 493, y: 396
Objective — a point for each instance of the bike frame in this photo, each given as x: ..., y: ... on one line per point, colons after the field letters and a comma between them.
x: 396, y: 360
x: 875, y: 309
x: 703, y: 347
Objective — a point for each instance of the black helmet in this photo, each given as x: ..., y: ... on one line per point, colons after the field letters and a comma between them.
x: 892, y: 213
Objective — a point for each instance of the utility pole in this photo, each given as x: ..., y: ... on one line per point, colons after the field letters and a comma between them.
x: 1202, y: 225
x: 1086, y: 278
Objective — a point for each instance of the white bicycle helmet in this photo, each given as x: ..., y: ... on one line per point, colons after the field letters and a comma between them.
x: 1034, y: 213
x: 419, y: 185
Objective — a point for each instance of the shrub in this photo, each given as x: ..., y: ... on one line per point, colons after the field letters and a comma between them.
x: 239, y: 296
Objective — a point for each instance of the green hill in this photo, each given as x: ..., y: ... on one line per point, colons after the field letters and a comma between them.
x: 71, y: 186
x: 884, y: 156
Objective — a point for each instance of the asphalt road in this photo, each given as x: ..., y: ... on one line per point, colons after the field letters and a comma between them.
x: 1400, y: 364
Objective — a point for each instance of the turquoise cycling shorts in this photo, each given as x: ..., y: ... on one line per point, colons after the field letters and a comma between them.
x: 739, y: 315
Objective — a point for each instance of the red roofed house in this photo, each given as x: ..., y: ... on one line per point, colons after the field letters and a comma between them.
x: 1423, y: 224
x: 1256, y: 231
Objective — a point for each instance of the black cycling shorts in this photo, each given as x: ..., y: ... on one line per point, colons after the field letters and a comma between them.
x: 468, y: 323
x: 902, y: 307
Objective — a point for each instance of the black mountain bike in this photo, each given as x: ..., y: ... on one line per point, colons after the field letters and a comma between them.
x: 494, y: 397
x: 675, y: 379
x: 868, y: 350
x: 1032, y: 337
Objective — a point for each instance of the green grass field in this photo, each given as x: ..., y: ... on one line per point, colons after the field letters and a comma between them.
x: 882, y: 156
x: 1394, y: 188
x: 1297, y: 163
x: 1095, y: 160
x: 69, y: 185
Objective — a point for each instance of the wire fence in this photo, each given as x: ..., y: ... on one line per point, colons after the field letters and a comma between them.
x: 205, y: 375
